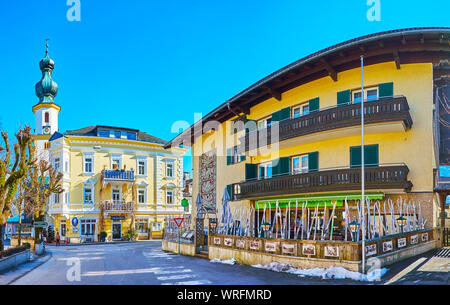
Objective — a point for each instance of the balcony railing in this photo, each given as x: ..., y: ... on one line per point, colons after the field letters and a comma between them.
x: 118, y: 175
x: 341, y: 179
x: 390, y: 109
x: 117, y: 206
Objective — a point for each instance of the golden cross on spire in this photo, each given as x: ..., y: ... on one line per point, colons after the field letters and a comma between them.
x: 46, y: 45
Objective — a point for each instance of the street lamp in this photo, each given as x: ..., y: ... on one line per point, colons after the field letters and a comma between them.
x: 354, y: 227
x: 266, y: 227
x: 401, y: 221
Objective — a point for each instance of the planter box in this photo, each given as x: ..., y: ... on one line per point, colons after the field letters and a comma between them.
x: 14, y: 260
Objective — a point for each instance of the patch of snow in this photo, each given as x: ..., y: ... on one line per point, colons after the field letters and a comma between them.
x: 329, y: 273
x: 227, y: 262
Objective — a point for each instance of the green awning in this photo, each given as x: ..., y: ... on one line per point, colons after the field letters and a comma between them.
x: 312, y: 201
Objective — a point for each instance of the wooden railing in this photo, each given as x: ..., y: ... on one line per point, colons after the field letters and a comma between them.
x: 117, y: 206
x: 390, y: 109
x: 343, y: 179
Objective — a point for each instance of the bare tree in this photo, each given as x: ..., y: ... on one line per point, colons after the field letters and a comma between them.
x: 18, y: 205
x: 41, y: 182
x: 12, y: 170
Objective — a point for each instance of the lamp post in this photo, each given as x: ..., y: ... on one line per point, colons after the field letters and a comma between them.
x: 401, y: 221
x: 266, y: 227
x: 354, y: 227
x: 362, y: 169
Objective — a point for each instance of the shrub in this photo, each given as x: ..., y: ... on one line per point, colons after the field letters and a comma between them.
x: 12, y: 251
x: 103, y: 234
x: 27, y: 245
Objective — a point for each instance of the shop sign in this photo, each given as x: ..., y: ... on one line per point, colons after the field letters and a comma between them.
x: 371, y: 249
x: 270, y: 246
x: 425, y: 237
x: 308, y: 249
x: 255, y: 244
x: 401, y: 242
x: 414, y: 239
x: 117, y: 217
x: 217, y: 240
x: 288, y: 248
x: 331, y: 251
x: 387, y: 246
x: 228, y: 242
x: 240, y: 243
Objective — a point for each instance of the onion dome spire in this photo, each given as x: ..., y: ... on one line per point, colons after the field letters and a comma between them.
x: 46, y: 88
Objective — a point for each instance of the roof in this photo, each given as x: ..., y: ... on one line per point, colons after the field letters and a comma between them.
x: 15, y: 219
x: 421, y: 44
x: 91, y: 131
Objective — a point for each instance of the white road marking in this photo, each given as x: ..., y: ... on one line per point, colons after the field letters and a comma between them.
x: 173, y: 271
x: 200, y: 282
x: 175, y: 277
x: 405, y: 271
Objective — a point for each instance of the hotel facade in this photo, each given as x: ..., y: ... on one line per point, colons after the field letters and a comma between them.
x: 114, y: 178
x: 294, y: 137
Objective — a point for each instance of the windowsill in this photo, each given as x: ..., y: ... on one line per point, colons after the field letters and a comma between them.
x: 88, y: 174
x: 169, y: 178
x: 141, y: 176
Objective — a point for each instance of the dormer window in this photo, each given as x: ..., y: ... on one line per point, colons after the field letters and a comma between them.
x: 103, y: 133
x: 131, y: 136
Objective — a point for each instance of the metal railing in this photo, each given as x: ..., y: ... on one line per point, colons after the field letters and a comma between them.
x: 118, y: 175
x: 118, y: 206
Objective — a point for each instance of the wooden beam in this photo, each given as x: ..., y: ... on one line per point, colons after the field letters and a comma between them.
x: 396, y: 59
x: 331, y: 71
x: 275, y: 94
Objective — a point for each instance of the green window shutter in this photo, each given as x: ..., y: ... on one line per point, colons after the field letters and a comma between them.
x: 251, y: 171
x: 242, y: 158
x: 371, y: 155
x: 313, y: 161
x: 355, y: 157
x: 230, y: 191
x: 283, y: 114
x: 229, y: 159
x: 275, y: 168
x: 343, y: 97
x: 284, y: 166
x: 385, y: 90
x: 314, y: 105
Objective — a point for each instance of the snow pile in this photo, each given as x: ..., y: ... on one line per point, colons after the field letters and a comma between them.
x: 329, y: 273
x: 227, y: 262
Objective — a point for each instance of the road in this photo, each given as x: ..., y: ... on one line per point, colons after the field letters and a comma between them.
x: 144, y: 263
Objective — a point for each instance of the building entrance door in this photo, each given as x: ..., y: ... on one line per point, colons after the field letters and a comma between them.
x: 116, y: 230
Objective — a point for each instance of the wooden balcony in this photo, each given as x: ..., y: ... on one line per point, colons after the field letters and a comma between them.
x: 385, y: 110
x: 117, y: 206
x: 118, y: 175
x: 389, y: 176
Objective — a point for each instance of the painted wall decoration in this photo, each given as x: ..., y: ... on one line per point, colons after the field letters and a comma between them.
x: 331, y: 251
x: 288, y: 249
x: 414, y: 239
x: 228, y: 242
x: 207, y: 183
x: 216, y: 240
x: 425, y: 237
x: 308, y: 249
x: 387, y: 246
x: 401, y: 242
x: 371, y: 249
x: 270, y: 247
x: 240, y: 243
x: 255, y: 244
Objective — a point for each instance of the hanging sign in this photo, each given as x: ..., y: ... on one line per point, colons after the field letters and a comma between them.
x: 75, y: 221
x: 178, y: 221
x: 117, y: 217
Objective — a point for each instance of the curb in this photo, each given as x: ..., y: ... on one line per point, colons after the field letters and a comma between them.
x: 105, y: 243
x: 28, y: 271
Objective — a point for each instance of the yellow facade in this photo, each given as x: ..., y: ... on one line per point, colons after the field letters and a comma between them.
x: 70, y: 153
x: 397, y: 144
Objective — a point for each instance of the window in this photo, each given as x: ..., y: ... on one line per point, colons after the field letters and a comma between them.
x: 370, y: 94
x: 117, y: 134
x: 56, y: 198
x: 141, y: 167
x: 116, y: 195
x: 66, y: 166
x: 67, y: 197
x: 264, y: 123
x: 300, y: 164
x: 47, y: 145
x: 142, y: 225
x: 265, y: 170
x: 88, y: 194
x: 57, y: 163
x: 169, y: 169
x: 116, y: 161
x: 169, y: 196
x: 46, y: 117
x: 87, y: 226
x: 131, y: 136
x: 233, y: 155
x: 103, y: 133
x: 300, y: 110
x: 141, y: 195
x: 88, y: 163
x: 156, y: 226
x: 236, y: 191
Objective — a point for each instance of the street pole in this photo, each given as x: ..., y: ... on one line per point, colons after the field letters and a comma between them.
x: 362, y: 170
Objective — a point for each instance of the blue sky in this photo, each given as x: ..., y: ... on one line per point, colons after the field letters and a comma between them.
x: 145, y: 64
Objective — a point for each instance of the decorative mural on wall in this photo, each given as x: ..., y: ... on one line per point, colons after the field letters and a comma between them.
x: 208, y: 167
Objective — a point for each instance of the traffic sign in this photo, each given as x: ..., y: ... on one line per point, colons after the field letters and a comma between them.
x: 40, y: 224
x: 178, y: 221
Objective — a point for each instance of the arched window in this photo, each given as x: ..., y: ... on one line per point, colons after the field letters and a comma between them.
x: 46, y: 117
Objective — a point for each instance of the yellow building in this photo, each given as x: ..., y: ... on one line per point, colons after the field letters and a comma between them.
x: 294, y: 137
x: 112, y: 176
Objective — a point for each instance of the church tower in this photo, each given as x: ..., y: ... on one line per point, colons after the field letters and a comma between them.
x: 46, y: 111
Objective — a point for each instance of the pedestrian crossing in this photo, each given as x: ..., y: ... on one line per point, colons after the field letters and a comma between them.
x: 444, y: 252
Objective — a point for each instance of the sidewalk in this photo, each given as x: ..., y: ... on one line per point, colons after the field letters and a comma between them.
x: 101, y: 243
x: 12, y: 275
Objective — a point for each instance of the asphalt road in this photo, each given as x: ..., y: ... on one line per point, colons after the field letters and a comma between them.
x: 144, y: 263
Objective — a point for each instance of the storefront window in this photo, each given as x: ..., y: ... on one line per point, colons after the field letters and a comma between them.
x: 142, y: 225
x: 87, y: 226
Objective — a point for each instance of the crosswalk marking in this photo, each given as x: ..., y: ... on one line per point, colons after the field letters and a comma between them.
x: 445, y: 252
x: 175, y: 277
